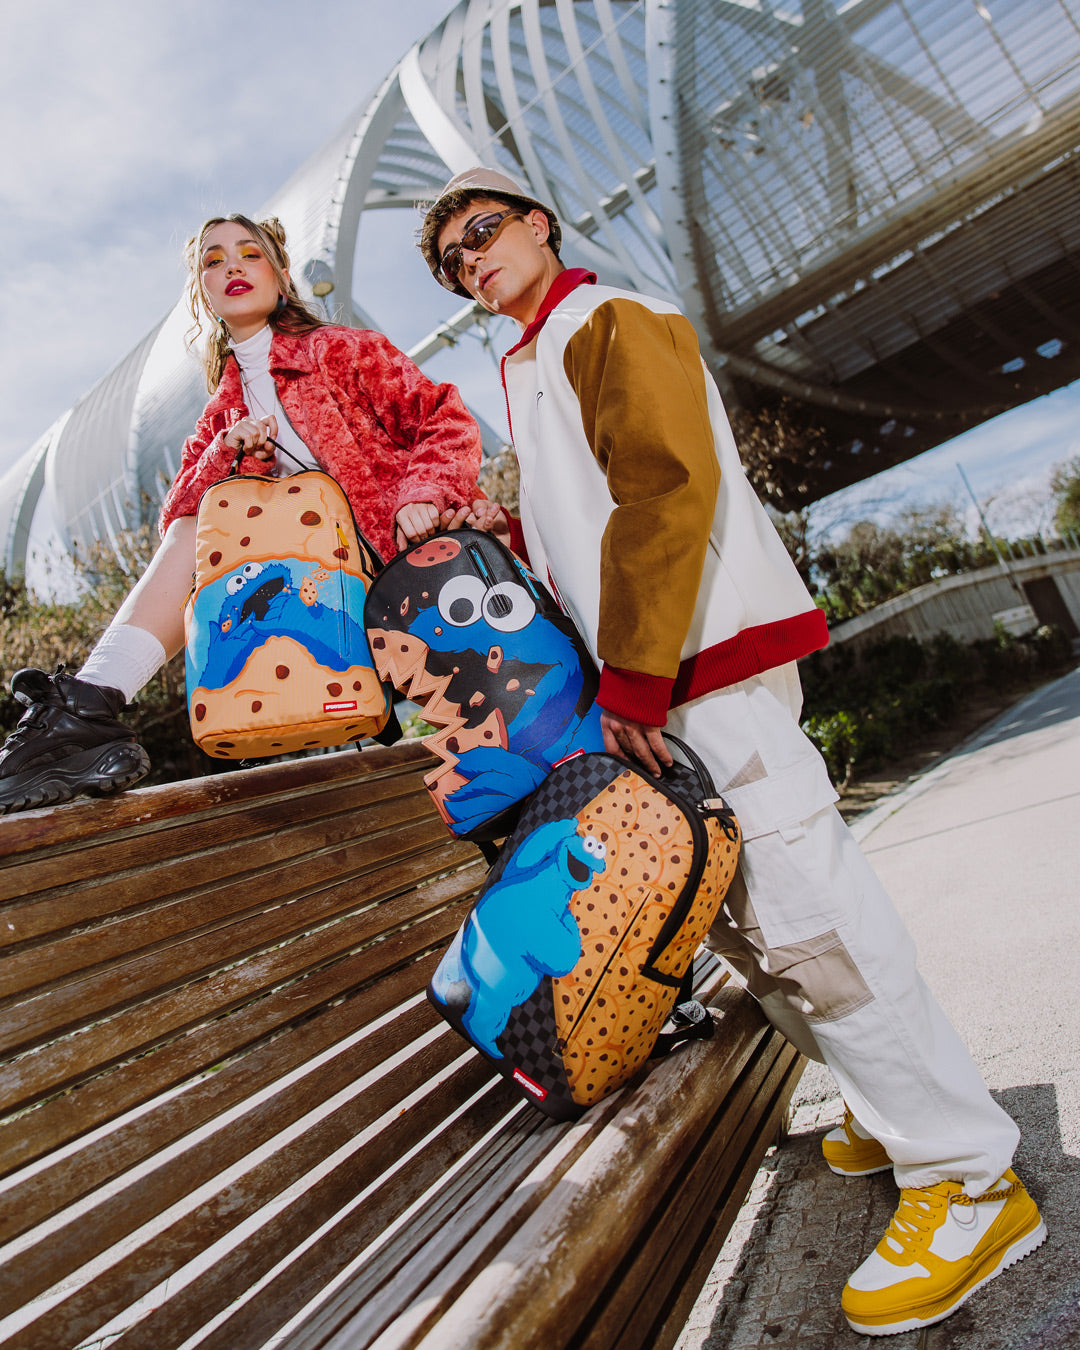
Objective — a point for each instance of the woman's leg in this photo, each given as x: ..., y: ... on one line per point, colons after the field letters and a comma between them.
x: 148, y: 628
x: 71, y: 738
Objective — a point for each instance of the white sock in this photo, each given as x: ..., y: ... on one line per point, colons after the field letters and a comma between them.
x: 124, y: 658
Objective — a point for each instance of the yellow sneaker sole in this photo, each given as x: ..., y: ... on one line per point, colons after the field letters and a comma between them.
x: 937, y: 1310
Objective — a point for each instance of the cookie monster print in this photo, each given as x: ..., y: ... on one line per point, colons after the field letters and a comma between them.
x: 286, y: 598
x: 521, y: 930
x: 515, y: 683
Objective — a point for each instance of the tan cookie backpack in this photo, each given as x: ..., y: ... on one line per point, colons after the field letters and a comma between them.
x: 582, y: 940
x: 277, y: 658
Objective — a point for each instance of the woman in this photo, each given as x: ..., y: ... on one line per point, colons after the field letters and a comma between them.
x: 405, y: 451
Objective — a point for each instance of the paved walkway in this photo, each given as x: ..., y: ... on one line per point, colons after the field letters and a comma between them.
x: 982, y: 855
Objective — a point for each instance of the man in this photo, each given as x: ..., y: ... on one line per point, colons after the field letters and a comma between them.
x: 635, y: 507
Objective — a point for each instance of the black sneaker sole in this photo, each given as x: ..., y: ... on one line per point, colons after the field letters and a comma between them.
x: 98, y: 772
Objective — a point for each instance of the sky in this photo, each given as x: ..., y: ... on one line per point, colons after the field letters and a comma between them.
x: 123, y: 125
x: 1007, y: 463
x: 127, y: 122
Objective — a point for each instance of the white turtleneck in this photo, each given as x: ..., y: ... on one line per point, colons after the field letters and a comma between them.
x: 261, y: 397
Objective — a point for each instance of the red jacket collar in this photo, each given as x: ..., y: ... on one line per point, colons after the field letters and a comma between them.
x: 568, y: 280
x: 292, y: 351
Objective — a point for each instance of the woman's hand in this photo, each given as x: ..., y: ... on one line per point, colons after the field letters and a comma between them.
x: 635, y: 740
x: 414, y: 522
x: 251, y: 435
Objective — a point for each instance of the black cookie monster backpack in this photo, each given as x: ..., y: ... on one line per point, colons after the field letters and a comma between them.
x: 461, y: 626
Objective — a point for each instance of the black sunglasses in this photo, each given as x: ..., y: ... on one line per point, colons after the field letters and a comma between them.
x: 476, y: 238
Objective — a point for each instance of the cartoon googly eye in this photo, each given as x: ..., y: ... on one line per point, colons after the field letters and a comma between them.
x: 461, y: 600
x: 508, y: 607
x: 595, y: 846
x: 239, y: 580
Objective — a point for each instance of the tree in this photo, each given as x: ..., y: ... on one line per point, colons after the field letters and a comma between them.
x: 872, y: 563
x: 783, y: 456
x: 1065, y: 485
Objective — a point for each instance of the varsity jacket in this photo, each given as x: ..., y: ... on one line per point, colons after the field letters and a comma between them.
x: 635, y: 506
x: 368, y: 416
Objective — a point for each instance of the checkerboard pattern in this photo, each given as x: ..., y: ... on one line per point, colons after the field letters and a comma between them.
x: 530, y: 1045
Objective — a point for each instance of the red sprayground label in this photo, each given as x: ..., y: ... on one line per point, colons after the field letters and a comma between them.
x: 527, y: 1083
x: 572, y: 755
x: 345, y: 705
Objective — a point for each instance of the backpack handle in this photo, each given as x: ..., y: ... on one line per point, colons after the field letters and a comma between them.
x: 277, y: 446
x: 694, y: 761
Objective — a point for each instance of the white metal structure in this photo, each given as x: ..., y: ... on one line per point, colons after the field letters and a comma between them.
x: 867, y: 207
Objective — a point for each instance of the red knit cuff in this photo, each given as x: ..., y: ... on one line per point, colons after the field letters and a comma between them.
x: 517, y: 536
x: 637, y: 697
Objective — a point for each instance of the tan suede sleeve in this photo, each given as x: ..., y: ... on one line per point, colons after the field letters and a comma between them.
x: 638, y: 378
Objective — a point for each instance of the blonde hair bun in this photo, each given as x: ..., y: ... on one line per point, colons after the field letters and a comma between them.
x: 273, y: 229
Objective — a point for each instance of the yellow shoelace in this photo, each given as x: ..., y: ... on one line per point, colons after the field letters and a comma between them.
x: 918, y: 1213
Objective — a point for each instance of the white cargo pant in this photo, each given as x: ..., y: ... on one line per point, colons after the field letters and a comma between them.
x: 811, y: 929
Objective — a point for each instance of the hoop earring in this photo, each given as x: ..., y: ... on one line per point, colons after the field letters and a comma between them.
x: 281, y: 303
x: 223, y: 329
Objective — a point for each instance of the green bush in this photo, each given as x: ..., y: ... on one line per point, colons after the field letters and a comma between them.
x: 863, y: 707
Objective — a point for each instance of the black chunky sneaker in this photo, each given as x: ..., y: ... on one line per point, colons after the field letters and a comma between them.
x: 68, y: 741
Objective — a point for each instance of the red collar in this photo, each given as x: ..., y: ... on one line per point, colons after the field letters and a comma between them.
x: 292, y: 351
x: 568, y: 280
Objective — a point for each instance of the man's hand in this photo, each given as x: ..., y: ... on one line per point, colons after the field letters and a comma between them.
x: 414, y: 522
x: 490, y: 517
x: 635, y: 740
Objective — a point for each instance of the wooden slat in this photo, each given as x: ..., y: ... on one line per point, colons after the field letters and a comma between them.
x: 472, y: 1212
x: 229, y: 984
x: 425, y: 940
x: 161, y: 1256
x: 77, y: 886
x: 108, y: 991
x: 59, y: 830
x: 404, y: 970
x: 466, y: 1222
x: 47, y: 1191
x: 249, y: 924
x: 258, y: 1318
x: 534, y: 1292
x: 627, y: 1311
x: 199, y: 899
x: 764, y: 1126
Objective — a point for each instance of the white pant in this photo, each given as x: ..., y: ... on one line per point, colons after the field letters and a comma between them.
x: 812, y: 930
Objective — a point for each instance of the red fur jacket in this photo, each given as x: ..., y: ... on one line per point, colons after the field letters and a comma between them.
x: 368, y: 416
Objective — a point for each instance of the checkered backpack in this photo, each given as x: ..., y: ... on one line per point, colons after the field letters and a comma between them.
x: 582, y: 939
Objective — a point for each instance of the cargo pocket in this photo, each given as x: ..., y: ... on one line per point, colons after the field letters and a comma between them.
x: 818, y: 978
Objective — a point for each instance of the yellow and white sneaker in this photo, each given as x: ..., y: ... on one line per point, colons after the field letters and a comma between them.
x: 940, y: 1247
x: 852, y: 1153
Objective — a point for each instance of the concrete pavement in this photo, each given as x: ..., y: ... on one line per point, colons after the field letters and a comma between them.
x: 982, y: 856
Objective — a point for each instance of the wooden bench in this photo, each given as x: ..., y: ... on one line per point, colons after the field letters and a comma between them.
x: 228, y: 1116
